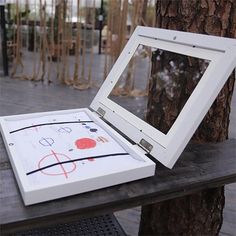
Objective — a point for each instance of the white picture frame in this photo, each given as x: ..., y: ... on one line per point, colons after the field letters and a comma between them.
x: 41, y: 188
x: 166, y: 148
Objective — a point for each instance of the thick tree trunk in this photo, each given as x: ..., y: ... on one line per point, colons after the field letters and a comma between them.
x: 201, y: 213
x: 197, y: 214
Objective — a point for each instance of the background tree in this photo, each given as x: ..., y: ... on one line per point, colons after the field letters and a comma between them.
x: 200, y: 213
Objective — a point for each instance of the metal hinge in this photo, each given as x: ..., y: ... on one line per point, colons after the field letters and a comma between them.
x: 146, y: 145
x: 101, y: 112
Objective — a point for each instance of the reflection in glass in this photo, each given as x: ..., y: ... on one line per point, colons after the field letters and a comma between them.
x: 156, y: 85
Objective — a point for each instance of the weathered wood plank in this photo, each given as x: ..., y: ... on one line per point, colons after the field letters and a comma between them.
x: 201, y: 166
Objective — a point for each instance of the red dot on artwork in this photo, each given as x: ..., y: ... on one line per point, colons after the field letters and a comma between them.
x: 85, y: 143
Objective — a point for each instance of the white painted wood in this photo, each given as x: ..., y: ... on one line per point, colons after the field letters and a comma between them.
x: 142, y: 166
x: 221, y: 52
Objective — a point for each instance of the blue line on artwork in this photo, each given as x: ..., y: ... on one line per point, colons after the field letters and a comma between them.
x: 46, y: 142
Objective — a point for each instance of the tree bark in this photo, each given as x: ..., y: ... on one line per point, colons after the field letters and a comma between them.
x: 200, y: 213
x: 197, y: 214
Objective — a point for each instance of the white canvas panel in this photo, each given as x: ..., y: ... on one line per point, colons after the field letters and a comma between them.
x: 54, y: 150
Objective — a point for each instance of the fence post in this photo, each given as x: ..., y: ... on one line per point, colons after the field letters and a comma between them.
x: 4, y: 38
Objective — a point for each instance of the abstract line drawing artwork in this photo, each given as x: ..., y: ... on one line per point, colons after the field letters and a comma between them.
x: 85, y: 143
x: 102, y: 139
x: 93, y: 130
x: 58, y: 161
x: 65, y: 149
x: 60, y: 169
x: 49, y: 124
x: 35, y: 128
x: 46, y: 142
x: 66, y: 130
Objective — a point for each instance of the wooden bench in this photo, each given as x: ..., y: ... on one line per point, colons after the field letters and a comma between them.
x: 199, y: 167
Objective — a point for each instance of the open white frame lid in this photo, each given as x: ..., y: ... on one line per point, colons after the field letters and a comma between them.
x: 166, y: 148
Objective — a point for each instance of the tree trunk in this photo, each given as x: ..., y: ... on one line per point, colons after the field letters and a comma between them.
x: 200, y: 213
